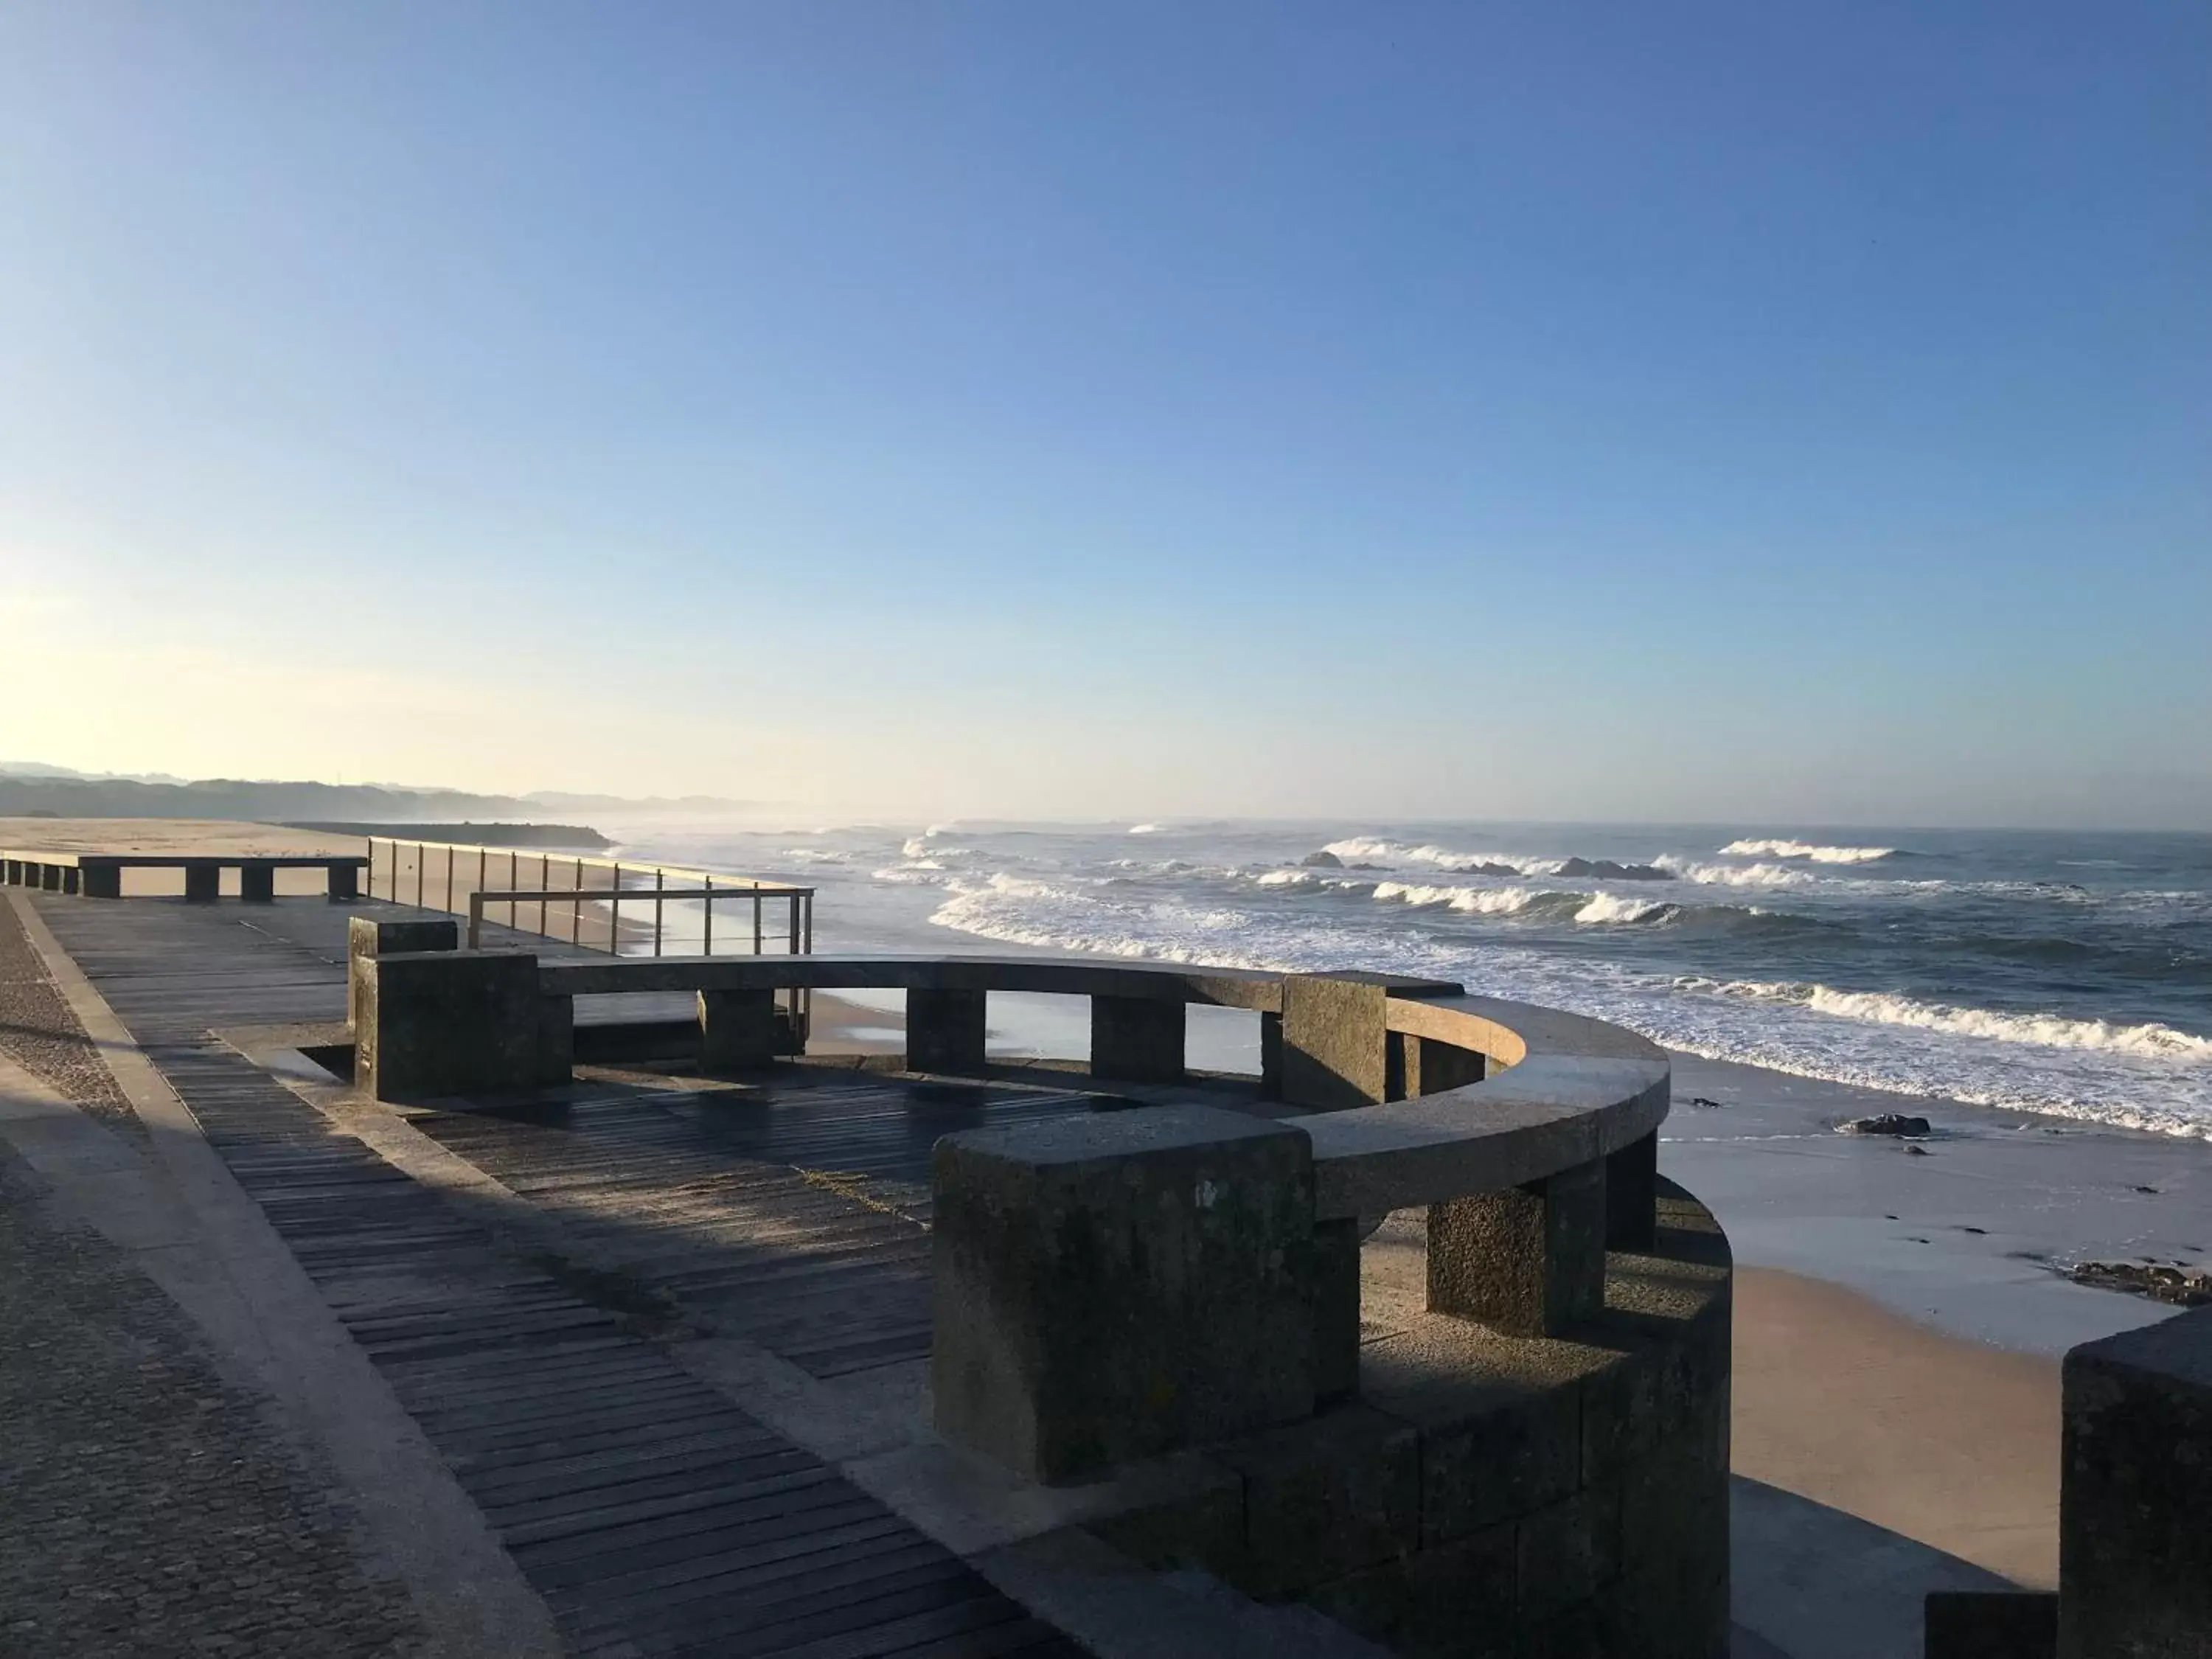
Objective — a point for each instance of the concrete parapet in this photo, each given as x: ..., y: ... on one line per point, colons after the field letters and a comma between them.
x: 1116, y: 1285
x: 49, y: 878
x: 344, y: 884
x: 737, y: 1031
x: 944, y: 1031
x: 1528, y: 1261
x: 444, y: 1022
x: 71, y: 878
x: 1334, y: 1055
x: 1430, y: 1065
x: 203, y: 881
x: 257, y: 882
x: 102, y: 880
x: 379, y: 936
x: 1491, y: 1496
x: 2135, y: 1550
x: 1136, y: 1039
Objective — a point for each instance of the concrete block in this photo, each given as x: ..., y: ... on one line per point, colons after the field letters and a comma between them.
x: 1271, y: 1056
x: 379, y: 936
x: 1498, y: 1462
x: 1119, y: 1284
x: 69, y: 880
x: 1528, y: 1261
x: 257, y: 882
x: 2135, y: 1550
x: 1325, y: 1497
x: 1453, y: 1601
x: 1136, y: 1039
x: 1989, y: 1625
x: 1632, y: 1197
x: 1334, y: 1052
x: 50, y: 878
x: 344, y: 884
x: 1432, y: 1066
x: 737, y: 1031
x: 556, y: 1040
x: 1566, y: 1551
x: 447, y: 1023
x: 102, y: 881
x: 202, y: 882
x: 1336, y: 1309
x: 944, y: 1031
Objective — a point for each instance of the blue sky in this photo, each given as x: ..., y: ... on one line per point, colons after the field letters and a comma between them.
x: 1695, y: 411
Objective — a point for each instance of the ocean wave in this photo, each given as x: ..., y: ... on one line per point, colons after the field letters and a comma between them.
x: 1372, y: 849
x: 1146, y: 829
x: 2146, y: 1041
x: 1614, y: 907
x: 1474, y: 900
x: 1784, y: 849
x: 1741, y: 875
x: 816, y: 856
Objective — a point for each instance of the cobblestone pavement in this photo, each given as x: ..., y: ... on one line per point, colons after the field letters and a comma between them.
x: 38, y: 1032
x: 147, y: 1506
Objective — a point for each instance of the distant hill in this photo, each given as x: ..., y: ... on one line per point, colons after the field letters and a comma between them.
x: 31, y: 788
x: 567, y: 836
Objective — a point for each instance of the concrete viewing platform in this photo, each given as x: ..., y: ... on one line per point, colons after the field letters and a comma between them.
x: 642, y: 1336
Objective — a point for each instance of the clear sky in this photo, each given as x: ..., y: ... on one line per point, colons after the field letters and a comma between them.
x: 1800, y: 411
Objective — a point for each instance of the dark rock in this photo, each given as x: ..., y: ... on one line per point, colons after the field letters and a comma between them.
x: 1488, y: 868
x: 1699, y: 1100
x: 1607, y: 870
x: 2152, y: 1191
x: 1916, y: 1152
x: 2180, y: 1287
x: 1884, y: 1123
x: 1322, y: 860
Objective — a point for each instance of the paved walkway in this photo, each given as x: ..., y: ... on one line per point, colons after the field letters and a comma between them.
x: 650, y: 1514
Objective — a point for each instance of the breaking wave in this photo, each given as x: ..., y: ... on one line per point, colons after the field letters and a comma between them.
x: 1784, y: 848
x: 2148, y: 1042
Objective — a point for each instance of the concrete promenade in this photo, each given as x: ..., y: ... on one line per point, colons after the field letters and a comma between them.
x: 627, y: 1373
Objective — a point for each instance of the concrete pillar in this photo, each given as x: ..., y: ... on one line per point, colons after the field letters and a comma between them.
x: 49, y: 878
x: 556, y: 1040
x: 71, y: 878
x: 1432, y: 1066
x: 344, y: 884
x: 944, y: 1031
x: 435, y: 1024
x: 1631, y: 1195
x: 1335, y: 1055
x: 737, y: 1031
x: 1112, y: 1285
x: 102, y: 881
x: 11, y: 870
x: 1528, y: 1262
x: 373, y: 936
x: 257, y: 882
x: 2135, y: 1554
x: 1136, y: 1039
x: 1336, y: 1309
x: 1989, y: 1625
x: 203, y: 881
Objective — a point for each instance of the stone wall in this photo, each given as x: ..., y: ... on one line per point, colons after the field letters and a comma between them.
x: 1490, y: 1496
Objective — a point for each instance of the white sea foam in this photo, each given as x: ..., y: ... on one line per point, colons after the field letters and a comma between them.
x: 2149, y: 1042
x: 1613, y: 907
x: 1146, y: 829
x: 1370, y: 849
x: 1475, y: 901
x: 1739, y: 875
x: 1784, y: 849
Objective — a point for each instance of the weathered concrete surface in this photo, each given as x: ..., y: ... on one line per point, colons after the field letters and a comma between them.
x: 380, y: 936
x: 1109, y: 1287
x: 1432, y: 1065
x: 944, y: 1031
x: 2135, y: 1552
x: 1136, y: 1039
x: 1990, y: 1625
x: 1631, y: 1184
x: 737, y: 1031
x: 257, y: 883
x: 1335, y: 1056
x: 430, y: 1025
x: 1528, y: 1261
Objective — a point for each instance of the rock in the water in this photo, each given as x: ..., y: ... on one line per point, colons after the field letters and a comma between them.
x: 2181, y: 1287
x: 1322, y: 860
x: 1885, y: 1123
x: 1607, y: 870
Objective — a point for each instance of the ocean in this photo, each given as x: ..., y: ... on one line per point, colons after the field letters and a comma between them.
x: 2054, y: 972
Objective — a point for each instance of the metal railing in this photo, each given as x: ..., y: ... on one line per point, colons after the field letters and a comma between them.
x: 594, y: 903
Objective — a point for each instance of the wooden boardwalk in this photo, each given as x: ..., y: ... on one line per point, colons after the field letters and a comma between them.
x: 652, y: 1514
